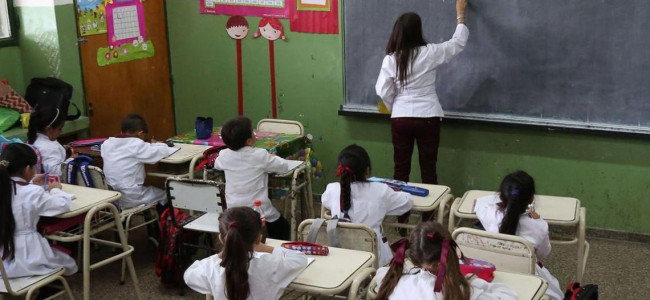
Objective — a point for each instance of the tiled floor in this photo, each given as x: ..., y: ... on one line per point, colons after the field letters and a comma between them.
x: 620, y: 269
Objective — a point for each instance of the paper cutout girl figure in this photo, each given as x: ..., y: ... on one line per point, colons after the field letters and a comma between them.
x: 271, y: 29
x: 237, y: 28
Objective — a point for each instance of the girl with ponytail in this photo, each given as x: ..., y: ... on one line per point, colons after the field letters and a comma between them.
x: 435, y: 273
x: 246, y: 269
x: 45, y: 126
x: 24, y: 251
x: 511, y: 211
x: 354, y: 198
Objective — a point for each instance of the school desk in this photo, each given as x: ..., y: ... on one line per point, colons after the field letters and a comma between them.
x: 176, y: 165
x: 300, y: 186
x: 438, y: 198
x: 559, y: 211
x: 101, y: 215
x: 524, y: 285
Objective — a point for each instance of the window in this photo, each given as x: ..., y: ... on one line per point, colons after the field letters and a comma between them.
x: 8, y: 25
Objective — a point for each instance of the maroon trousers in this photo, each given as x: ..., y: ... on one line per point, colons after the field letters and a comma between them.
x: 405, y: 133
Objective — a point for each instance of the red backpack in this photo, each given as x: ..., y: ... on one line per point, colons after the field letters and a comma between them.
x: 169, y: 262
x: 576, y: 292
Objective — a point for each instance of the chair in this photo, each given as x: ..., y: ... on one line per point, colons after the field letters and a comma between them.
x: 354, y: 236
x: 508, y: 253
x: 29, y: 285
x: 202, y: 196
x: 281, y: 126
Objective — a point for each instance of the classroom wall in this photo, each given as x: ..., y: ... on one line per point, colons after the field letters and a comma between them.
x: 48, y: 45
x: 608, y: 174
x: 11, y: 67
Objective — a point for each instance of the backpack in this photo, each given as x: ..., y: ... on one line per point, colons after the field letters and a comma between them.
x: 169, y: 265
x: 80, y: 164
x: 576, y: 292
x: 209, y: 156
x: 51, y: 91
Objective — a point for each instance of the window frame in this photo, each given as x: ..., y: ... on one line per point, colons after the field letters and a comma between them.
x: 13, y: 23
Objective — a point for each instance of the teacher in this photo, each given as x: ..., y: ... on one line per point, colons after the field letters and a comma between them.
x: 407, y: 87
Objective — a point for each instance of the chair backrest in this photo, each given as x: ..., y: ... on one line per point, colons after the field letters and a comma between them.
x: 196, y: 195
x: 281, y: 126
x: 354, y: 236
x: 509, y: 253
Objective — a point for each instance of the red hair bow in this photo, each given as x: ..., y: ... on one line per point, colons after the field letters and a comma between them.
x: 341, y: 169
x: 399, y: 248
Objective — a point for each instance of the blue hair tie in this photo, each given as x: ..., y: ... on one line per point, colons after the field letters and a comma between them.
x: 514, y: 192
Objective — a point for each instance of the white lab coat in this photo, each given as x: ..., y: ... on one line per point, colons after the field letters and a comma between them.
x: 371, y: 203
x: 52, y: 153
x: 33, y: 254
x: 268, y: 274
x: 418, y: 284
x: 124, y: 160
x: 419, y: 98
x: 247, y: 177
x: 533, y: 230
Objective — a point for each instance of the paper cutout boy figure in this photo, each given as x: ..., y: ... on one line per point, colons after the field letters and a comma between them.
x: 237, y: 27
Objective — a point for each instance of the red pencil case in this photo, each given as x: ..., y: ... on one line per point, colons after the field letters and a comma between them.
x: 307, y: 248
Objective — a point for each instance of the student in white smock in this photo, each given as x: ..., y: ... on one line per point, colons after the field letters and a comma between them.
x: 45, y: 126
x: 124, y: 158
x: 24, y: 251
x: 247, y: 174
x: 246, y: 269
x: 511, y: 212
x: 434, y: 275
x: 361, y: 201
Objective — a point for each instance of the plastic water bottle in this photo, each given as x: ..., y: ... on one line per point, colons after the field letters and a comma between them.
x: 257, y: 206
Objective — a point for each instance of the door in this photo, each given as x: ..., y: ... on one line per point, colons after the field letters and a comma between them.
x: 140, y: 86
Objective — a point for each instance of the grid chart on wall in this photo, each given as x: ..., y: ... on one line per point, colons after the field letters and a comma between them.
x: 263, y: 3
x: 126, y: 24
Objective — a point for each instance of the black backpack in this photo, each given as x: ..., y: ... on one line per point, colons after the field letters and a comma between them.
x: 51, y: 92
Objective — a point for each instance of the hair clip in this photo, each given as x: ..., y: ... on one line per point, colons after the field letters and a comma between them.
x: 431, y: 235
x: 514, y: 192
x: 4, y: 163
x: 234, y: 224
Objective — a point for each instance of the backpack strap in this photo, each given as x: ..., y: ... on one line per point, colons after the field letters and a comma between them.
x: 71, y: 172
x: 313, y: 231
x: 332, y: 234
x: 85, y: 171
x: 76, y: 115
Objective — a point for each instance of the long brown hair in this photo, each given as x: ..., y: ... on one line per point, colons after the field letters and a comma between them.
x: 404, y: 43
x: 425, y: 248
x: 13, y: 161
x: 353, y: 163
x: 239, y: 227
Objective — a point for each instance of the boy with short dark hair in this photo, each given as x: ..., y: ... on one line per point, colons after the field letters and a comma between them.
x: 124, y: 158
x: 247, y: 170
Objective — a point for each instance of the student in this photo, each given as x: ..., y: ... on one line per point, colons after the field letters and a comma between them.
x: 362, y: 201
x: 407, y: 86
x: 45, y: 126
x: 245, y: 268
x: 247, y: 171
x: 508, y: 212
x: 24, y: 251
x: 434, y: 276
x: 124, y: 158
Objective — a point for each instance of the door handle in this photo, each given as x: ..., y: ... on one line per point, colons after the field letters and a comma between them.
x: 90, y: 109
x: 82, y: 40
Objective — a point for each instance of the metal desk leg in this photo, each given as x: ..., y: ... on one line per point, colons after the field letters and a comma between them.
x: 443, y: 206
x: 193, y: 165
x: 582, y: 250
x: 310, y: 195
x: 452, y: 217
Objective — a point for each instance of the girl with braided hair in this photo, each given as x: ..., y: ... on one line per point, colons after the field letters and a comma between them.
x: 354, y: 198
x: 436, y: 272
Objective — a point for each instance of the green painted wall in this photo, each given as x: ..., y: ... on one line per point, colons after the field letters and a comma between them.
x: 610, y: 175
x: 48, y: 46
x: 11, y: 67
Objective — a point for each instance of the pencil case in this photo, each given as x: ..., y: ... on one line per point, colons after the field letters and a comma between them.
x: 307, y: 248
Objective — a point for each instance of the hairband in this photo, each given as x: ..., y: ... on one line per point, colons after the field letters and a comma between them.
x: 4, y: 163
x: 55, y: 117
x: 399, y: 248
x: 343, y: 168
x: 234, y: 224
